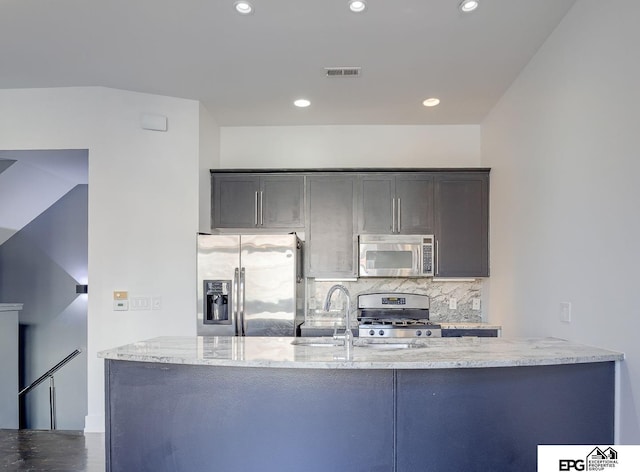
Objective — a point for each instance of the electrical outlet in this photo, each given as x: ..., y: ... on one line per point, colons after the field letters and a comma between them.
x: 565, y: 312
x: 475, y: 304
x: 453, y: 304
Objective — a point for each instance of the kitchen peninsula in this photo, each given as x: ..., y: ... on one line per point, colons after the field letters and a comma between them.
x: 291, y: 404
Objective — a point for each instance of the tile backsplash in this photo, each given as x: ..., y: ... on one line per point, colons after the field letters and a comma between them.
x: 439, y: 293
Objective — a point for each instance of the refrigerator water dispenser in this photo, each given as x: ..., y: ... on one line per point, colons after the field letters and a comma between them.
x: 216, y: 301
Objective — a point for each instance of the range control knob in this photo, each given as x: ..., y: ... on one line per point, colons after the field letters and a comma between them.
x: 418, y: 332
x: 371, y: 332
x: 428, y: 332
x: 381, y: 332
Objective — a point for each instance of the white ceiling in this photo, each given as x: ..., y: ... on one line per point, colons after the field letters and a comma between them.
x: 247, y: 70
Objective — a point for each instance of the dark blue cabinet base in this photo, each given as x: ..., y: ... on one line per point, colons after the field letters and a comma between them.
x: 167, y: 417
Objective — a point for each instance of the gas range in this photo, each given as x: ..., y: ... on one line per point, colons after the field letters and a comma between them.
x: 395, y: 315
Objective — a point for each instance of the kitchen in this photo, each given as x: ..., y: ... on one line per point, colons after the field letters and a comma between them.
x: 545, y: 161
x: 373, y: 375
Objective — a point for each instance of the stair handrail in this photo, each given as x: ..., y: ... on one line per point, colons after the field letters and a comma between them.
x: 52, y: 388
x: 49, y: 373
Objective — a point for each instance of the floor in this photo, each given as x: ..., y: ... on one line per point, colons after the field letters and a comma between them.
x: 38, y: 451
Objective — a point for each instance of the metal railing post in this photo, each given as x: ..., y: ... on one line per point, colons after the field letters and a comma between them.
x: 52, y: 402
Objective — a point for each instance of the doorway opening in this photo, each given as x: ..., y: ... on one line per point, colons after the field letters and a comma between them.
x: 43, y: 262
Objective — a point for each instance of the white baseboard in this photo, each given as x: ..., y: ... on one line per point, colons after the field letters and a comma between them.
x: 94, y: 424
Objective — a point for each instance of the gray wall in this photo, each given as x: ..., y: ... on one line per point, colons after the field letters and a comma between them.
x: 40, y: 267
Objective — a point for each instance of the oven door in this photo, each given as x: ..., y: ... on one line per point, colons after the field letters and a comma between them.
x: 383, y: 259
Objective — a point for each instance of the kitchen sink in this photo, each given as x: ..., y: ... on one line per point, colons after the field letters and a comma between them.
x: 330, y: 342
x: 317, y: 342
x: 390, y: 346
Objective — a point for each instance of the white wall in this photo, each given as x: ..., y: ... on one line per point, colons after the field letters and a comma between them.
x: 209, y: 159
x: 143, y: 205
x: 258, y: 147
x: 563, y: 147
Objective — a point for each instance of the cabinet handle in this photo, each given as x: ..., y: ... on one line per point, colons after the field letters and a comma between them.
x: 261, y: 209
x: 393, y: 215
x: 399, y: 211
x: 255, y: 212
x: 437, y: 258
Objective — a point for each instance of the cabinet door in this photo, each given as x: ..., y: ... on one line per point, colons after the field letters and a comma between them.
x: 414, y: 207
x: 235, y: 199
x: 462, y: 225
x: 282, y: 201
x: 331, y: 242
x: 376, y: 204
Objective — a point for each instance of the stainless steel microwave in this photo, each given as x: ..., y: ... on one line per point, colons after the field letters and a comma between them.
x: 396, y: 255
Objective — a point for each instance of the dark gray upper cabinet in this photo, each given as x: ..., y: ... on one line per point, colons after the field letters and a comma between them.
x: 462, y: 224
x: 331, y: 242
x: 396, y: 203
x: 269, y: 201
x: 333, y: 207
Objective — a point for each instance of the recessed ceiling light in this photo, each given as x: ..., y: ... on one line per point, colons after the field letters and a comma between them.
x: 243, y: 7
x: 468, y: 5
x: 431, y: 102
x: 357, y: 6
x: 302, y: 103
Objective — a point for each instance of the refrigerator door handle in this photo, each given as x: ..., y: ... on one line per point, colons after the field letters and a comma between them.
x: 241, y: 321
x: 236, y: 301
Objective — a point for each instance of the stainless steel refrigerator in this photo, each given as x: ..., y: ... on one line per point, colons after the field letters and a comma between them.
x: 249, y: 285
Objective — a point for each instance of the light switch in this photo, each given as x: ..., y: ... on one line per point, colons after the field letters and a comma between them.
x: 140, y: 303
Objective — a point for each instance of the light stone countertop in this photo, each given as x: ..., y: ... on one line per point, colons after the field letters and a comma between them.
x: 10, y: 306
x: 467, y: 325
x: 437, y: 353
x: 331, y: 322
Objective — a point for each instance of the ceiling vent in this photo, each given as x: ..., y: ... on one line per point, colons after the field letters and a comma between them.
x: 342, y: 71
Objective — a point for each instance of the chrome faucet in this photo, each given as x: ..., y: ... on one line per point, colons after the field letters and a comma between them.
x: 348, y: 335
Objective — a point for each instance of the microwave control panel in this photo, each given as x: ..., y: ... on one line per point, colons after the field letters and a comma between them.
x: 427, y: 259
